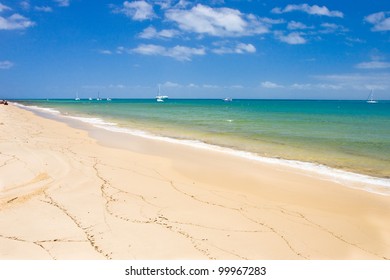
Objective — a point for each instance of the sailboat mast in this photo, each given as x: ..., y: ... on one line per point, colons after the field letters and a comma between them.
x: 371, y: 98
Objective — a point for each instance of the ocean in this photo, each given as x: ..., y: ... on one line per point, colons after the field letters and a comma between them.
x: 348, y: 136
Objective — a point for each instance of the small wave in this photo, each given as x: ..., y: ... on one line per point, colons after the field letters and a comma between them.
x: 37, y: 108
x: 93, y: 121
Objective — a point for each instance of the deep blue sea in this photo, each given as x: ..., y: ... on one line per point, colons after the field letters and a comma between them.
x: 352, y: 136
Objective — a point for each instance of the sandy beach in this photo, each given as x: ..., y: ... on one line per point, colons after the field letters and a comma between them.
x: 70, y: 193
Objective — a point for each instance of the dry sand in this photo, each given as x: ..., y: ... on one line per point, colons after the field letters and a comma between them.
x: 66, y: 195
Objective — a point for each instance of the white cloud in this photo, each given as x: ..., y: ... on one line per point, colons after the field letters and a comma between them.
x: 121, y: 50
x: 355, y: 40
x: 170, y: 84
x: 292, y: 25
x: 218, y: 22
x: 380, y: 81
x: 164, y: 4
x: 119, y: 86
x: 350, y: 41
x: 329, y: 86
x: 14, y: 22
x: 6, y: 64
x: 293, y: 38
x: 45, y: 9
x: 62, y: 3
x: 180, y: 53
x: 151, y: 33
x: 311, y: 10
x: 302, y: 86
x: 268, y: 84
x: 4, y: 7
x: 245, y: 48
x: 210, y: 86
x: 381, y: 21
x: 149, y: 49
x: 271, y: 21
x: 332, y: 28
x: 373, y: 65
x: 321, y: 86
x: 238, y: 48
x: 137, y: 10
x: 25, y: 5
x: 107, y: 52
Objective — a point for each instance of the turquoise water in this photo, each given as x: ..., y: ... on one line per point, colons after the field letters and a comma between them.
x: 348, y: 135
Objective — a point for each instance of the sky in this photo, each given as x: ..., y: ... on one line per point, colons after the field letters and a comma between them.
x: 195, y: 49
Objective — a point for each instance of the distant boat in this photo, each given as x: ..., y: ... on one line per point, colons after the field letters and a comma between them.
x: 228, y: 99
x: 98, y: 97
x: 159, y: 97
x: 370, y: 98
x: 108, y: 99
x: 90, y: 99
x: 77, y: 96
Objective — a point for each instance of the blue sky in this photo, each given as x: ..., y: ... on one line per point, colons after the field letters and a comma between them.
x: 195, y: 49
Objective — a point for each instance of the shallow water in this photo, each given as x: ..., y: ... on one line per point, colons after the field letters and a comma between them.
x: 348, y: 135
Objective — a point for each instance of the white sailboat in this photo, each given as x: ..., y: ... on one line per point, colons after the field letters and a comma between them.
x: 77, y: 96
x: 159, y: 97
x: 370, y: 99
x: 98, y: 97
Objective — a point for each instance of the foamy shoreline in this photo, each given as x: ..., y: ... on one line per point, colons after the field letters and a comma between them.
x: 367, y: 183
x: 63, y: 195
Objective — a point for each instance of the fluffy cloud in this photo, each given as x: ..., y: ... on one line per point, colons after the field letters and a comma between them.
x: 6, y: 64
x: 245, y: 48
x: 293, y: 38
x: 293, y: 25
x: 62, y: 3
x: 302, y: 86
x: 332, y: 28
x: 311, y: 10
x: 381, y: 21
x: 45, y: 9
x: 14, y: 22
x: 171, y: 84
x: 151, y: 33
x: 137, y: 10
x: 268, y: 84
x: 180, y: 53
x: 218, y: 22
x: 238, y: 48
